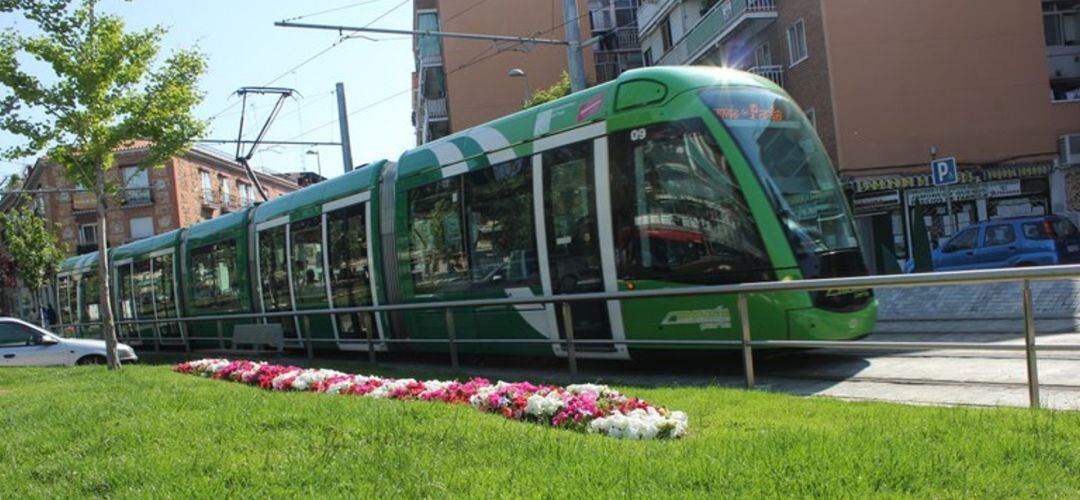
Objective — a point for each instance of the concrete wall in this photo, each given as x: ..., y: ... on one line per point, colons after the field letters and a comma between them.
x: 483, y: 91
x: 969, y: 76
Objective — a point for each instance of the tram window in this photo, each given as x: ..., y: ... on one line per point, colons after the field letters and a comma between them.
x: 91, y: 297
x: 144, y: 293
x: 309, y: 278
x: 436, y: 249
x: 677, y: 211
x: 163, y: 286
x: 214, y: 278
x: 274, y: 274
x: 127, y: 300
x: 348, y: 252
x: 66, y: 289
x: 499, y: 214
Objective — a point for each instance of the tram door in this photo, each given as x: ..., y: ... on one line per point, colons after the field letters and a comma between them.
x: 275, y: 274
x: 574, y: 248
x: 349, y: 263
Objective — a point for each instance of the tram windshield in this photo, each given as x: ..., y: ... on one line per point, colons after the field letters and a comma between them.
x: 781, y: 145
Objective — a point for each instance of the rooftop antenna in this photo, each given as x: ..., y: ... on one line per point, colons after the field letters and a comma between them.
x: 282, y: 93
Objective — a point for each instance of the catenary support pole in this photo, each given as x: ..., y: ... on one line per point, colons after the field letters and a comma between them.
x: 747, y: 349
x: 343, y: 123
x: 1029, y: 343
x: 369, y: 333
x: 575, y: 62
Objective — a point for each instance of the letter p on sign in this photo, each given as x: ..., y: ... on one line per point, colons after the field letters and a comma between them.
x: 944, y: 171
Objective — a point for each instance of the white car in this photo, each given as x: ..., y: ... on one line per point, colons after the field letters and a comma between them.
x: 23, y: 344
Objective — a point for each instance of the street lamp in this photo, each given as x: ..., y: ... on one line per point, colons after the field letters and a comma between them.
x: 318, y: 160
x: 520, y: 73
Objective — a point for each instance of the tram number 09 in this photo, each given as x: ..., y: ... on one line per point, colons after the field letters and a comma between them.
x: 638, y: 134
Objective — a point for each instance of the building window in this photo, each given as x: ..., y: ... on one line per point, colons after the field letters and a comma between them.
x: 136, y: 186
x: 1061, y: 22
x: 245, y: 193
x: 226, y: 190
x: 796, y: 39
x: 207, y: 187
x: 812, y: 116
x: 88, y: 234
x: 648, y: 57
x: 665, y: 34
x: 142, y: 227
x: 763, y: 55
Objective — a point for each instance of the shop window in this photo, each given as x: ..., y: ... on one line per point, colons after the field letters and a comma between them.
x: 966, y: 240
x: 1001, y: 234
x: 215, y: 284
x: 677, y: 212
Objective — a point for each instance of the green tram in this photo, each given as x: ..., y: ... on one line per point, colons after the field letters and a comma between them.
x: 665, y: 177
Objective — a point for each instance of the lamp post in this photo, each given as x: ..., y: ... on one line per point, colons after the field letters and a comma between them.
x: 318, y: 160
x: 520, y: 73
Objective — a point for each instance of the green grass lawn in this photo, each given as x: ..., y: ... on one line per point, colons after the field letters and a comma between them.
x: 149, y: 432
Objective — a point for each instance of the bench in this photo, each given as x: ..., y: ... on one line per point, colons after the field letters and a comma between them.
x: 258, y: 335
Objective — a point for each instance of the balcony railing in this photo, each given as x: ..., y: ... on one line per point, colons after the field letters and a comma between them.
x: 435, y: 109
x: 774, y: 73
x: 210, y: 198
x: 716, y: 24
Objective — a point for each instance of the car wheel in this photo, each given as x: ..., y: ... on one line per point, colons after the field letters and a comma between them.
x: 93, y: 359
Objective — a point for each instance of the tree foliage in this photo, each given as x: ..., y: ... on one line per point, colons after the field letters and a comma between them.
x: 104, y: 92
x: 561, y: 88
x: 32, y: 245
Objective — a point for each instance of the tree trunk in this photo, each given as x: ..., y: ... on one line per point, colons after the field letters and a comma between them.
x: 108, y: 329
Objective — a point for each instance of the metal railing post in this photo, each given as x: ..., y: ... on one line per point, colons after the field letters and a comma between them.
x: 370, y: 336
x: 568, y: 329
x: 184, y: 337
x: 307, y: 336
x: 747, y: 349
x: 221, y: 334
x: 1029, y: 344
x: 451, y: 336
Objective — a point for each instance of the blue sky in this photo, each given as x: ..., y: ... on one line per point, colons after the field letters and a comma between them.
x: 244, y: 48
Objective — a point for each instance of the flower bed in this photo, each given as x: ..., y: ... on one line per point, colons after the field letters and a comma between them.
x: 581, y: 407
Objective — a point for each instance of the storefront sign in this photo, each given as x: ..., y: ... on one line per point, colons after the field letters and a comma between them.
x: 964, y: 192
x: 868, y: 184
x: 876, y: 202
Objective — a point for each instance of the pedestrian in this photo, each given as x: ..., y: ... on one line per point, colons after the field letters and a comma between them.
x: 50, y: 315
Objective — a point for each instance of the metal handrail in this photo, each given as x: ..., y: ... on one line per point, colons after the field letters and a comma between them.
x: 741, y: 290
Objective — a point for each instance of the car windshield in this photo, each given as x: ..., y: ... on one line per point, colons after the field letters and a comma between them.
x: 782, y: 146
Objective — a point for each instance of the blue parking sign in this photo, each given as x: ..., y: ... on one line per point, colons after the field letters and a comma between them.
x: 944, y: 171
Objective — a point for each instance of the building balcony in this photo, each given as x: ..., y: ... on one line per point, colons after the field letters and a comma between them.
x: 210, y: 198
x: 137, y: 197
x: 230, y: 203
x: 774, y: 73
x: 435, y: 109
x: 718, y: 23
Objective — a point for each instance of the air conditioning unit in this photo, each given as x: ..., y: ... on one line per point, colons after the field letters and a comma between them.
x: 1069, y: 147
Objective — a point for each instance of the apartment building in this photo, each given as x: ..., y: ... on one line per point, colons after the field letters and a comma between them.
x: 892, y: 85
x: 460, y: 83
x: 198, y: 185
x: 614, y: 29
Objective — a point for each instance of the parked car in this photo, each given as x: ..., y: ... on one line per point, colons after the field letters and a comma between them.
x: 1026, y: 241
x: 23, y: 344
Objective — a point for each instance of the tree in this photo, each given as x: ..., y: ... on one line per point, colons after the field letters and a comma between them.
x: 34, y: 251
x: 561, y: 88
x: 103, y: 94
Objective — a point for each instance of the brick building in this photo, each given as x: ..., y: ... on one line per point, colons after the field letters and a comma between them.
x: 889, y: 85
x: 197, y: 185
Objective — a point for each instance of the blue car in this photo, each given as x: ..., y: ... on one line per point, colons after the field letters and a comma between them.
x: 1026, y: 241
